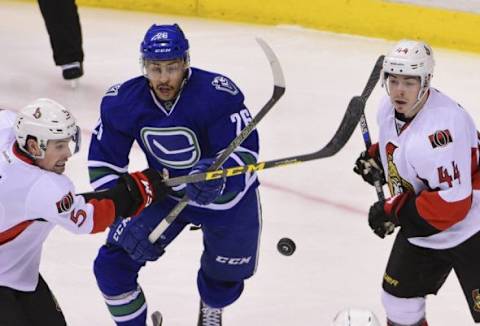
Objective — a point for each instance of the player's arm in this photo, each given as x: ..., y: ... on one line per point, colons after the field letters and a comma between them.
x: 94, y: 211
x: 222, y: 132
x: 132, y: 193
x: 109, y: 146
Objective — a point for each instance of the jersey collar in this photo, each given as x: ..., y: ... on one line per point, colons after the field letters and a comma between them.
x: 21, y: 155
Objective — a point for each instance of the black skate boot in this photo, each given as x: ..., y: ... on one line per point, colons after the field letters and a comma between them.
x: 72, y: 70
x: 208, y: 316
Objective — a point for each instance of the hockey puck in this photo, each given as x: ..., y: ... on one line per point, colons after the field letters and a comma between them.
x: 286, y: 246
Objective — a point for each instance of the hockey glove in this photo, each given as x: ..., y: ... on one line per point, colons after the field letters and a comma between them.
x: 383, y: 216
x: 204, y: 192
x: 144, y: 188
x: 369, y: 166
x: 132, y: 235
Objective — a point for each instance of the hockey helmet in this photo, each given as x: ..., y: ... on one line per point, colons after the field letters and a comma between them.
x: 355, y: 317
x: 46, y: 120
x: 410, y: 58
x: 164, y: 42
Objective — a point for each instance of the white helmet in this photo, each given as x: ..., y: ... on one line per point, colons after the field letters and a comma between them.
x: 45, y: 120
x: 411, y: 58
x: 355, y: 317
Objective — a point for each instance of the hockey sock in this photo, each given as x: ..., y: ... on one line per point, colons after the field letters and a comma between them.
x: 128, y: 309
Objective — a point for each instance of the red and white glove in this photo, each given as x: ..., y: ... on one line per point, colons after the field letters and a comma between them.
x: 144, y: 188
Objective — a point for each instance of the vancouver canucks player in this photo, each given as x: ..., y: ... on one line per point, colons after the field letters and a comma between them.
x: 182, y: 118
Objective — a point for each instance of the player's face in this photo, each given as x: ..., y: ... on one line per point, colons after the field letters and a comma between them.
x: 57, y: 154
x: 404, y: 93
x: 165, y: 77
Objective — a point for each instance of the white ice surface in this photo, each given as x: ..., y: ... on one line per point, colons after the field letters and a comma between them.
x: 322, y: 205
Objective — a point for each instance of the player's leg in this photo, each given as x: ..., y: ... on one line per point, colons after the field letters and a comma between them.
x: 467, y: 268
x: 116, y: 273
x: 63, y: 26
x: 11, y: 312
x: 229, y: 257
x: 412, y: 272
x: 41, y: 306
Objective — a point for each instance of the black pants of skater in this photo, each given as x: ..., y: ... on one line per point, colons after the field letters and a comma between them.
x: 63, y: 26
x: 37, y: 308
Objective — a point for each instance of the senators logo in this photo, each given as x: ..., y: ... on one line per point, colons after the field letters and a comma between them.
x: 440, y: 138
x: 396, y: 183
x: 37, y: 114
x: 476, y: 300
x: 64, y: 204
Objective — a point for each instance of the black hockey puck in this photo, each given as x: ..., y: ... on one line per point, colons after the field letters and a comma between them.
x: 286, y: 246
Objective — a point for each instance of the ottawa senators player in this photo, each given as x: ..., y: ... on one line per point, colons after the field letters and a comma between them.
x: 35, y: 145
x: 428, y: 148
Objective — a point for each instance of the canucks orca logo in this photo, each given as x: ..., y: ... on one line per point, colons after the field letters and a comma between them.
x: 224, y: 84
x: 175, y: 147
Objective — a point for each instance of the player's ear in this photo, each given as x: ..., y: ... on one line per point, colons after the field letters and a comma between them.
x: 32, y: 147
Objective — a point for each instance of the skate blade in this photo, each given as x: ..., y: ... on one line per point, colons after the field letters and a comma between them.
x: 157, y: 318
x: 74, y: 83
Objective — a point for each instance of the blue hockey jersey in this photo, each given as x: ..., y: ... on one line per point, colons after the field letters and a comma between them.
x: 207, y: 115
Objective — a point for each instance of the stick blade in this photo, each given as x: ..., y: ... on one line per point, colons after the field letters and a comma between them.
x: 278, y: 78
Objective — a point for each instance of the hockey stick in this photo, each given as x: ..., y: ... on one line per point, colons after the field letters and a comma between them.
x: 339, y: 139
x: 375, y: 75
x: 278, y: 91
x: 372, y: 81
x: 352, y: 116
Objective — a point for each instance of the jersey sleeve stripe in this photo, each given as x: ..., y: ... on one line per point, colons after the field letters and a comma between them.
x: 96, y: 164
x: 103, y: 214
x: 440, y: 213
x: 13, y: 232
x: 102, y: 181
x: 100, y: 172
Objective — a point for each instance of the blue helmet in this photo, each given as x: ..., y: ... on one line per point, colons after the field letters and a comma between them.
x: 164, y: 42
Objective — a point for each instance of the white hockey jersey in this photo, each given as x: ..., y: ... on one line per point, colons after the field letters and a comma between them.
x: 32, y: 202
x: 434, y: 156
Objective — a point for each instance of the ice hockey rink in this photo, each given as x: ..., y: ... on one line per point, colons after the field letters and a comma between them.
x: 322, y: 205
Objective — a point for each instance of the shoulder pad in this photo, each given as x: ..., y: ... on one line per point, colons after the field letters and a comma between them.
x: 224, y: 84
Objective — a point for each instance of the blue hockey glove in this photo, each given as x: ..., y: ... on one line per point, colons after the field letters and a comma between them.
x: 132, y: 235
x: 204, y: 192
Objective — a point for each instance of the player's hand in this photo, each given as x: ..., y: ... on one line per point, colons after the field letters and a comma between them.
x: 132, y: 235
x: 369, y: 166
x: 383, y: 215
x: 144, y: 188
x: 204, y: 192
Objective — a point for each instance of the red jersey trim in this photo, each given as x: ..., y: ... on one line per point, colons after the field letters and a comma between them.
x: 22, y: 155
x: 13, y: 232
x: 103, y: 214
x: 440, y: 213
